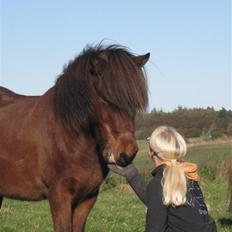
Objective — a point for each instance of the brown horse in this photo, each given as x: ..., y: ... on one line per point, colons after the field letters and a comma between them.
x: 230, y: 185
x: 57, y: 146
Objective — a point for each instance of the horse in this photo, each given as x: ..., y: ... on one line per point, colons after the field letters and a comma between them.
x: 57, y: 146
x: 230, y: 185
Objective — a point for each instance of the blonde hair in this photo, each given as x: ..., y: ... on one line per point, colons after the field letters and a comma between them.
x: 169, y: 145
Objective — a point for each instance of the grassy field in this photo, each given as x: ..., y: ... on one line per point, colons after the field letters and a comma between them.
x: 118, y: 209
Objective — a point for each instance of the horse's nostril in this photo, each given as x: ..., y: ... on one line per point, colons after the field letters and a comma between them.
x: 123, y: 158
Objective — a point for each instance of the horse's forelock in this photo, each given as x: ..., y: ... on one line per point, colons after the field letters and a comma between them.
x: 123, y: 84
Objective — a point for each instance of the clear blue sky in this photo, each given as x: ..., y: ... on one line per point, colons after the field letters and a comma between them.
x: 189, y: 42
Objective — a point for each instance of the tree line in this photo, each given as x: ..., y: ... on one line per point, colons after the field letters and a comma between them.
x: 207, y: 123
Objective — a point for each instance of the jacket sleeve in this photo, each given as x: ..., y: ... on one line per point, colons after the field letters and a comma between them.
x: 156, y: 219
x: 139, y: 185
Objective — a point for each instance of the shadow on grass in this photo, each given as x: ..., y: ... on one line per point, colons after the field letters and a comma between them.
x: 225, y: 221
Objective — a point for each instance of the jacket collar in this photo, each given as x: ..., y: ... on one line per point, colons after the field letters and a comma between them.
x: 158, y: 170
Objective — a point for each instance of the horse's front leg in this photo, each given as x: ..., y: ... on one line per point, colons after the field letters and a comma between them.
x: 60, y: 200
x: 81, y: 212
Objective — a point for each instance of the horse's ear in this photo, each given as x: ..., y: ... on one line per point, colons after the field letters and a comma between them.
x: 99, y: 64
x: 141, y: 60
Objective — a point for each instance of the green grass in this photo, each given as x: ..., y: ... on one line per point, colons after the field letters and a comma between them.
x: 118, y: 208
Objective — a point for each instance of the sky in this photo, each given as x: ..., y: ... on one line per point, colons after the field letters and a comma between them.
x: 189, y: 42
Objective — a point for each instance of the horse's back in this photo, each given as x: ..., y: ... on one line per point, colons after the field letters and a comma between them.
x: 15, y: 110
x: 8, y: 97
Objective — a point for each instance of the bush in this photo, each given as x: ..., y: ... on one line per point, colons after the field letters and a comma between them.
x: 217, y: 134
x: 193, y: 133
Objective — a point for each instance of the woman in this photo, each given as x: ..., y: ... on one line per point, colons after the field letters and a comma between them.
x: 173, y: 197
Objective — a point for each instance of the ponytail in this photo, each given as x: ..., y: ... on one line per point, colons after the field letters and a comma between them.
x: 170, y: 147
x: 174, y: 185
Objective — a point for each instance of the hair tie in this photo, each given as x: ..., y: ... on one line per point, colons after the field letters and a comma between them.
x: 173, y: 161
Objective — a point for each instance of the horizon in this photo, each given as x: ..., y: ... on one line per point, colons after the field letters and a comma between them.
x: 189, y: 108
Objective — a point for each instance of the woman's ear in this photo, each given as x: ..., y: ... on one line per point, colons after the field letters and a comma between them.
x: 150, y: 152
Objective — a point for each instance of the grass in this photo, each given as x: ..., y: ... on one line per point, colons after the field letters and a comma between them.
x: 118, y: 208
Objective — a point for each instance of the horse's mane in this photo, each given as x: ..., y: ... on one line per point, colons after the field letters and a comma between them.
x: 122, y: 84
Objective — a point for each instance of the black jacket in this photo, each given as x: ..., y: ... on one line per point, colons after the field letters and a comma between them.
x: 191, y: 217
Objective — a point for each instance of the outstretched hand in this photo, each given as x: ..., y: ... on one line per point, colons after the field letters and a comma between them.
x: 123, y: 171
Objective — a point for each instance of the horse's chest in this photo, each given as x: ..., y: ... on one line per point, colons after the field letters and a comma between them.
x: 84, y: 170
x: 88, y: 176
x: 90, y: 180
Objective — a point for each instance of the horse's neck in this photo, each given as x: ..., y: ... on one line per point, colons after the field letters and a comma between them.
x: 43, y: 111
x: 45, y: 101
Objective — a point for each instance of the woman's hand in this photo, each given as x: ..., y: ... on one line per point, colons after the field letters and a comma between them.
x: 127, y: 171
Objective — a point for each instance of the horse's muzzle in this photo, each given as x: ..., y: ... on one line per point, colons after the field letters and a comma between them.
x: 124, y: 159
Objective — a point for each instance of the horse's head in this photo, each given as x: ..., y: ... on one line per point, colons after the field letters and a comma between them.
x: 103, y: 89
x: 121, y: 91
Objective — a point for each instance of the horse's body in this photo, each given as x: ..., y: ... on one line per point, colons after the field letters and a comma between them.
x: 32, y: 137
x: 57, y: 146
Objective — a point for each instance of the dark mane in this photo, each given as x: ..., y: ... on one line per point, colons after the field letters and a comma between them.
x: 122, y: 84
